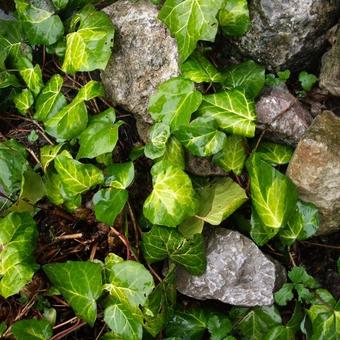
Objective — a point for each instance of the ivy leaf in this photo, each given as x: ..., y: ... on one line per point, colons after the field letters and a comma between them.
x: 174, y: 102
x: 75, y: 176
x: 60, y: 4
x: 120, y: 175
x: 23, y: 101
x: 233, y: 155
x: 108, y: 204
x: 220, y: 199
x: 130, y: 282
x: 285, y: 294
x: 32, y: 329
x: 307, y: 80
x: 273, y: 194
x: 199, y: 69
x: 48, y: 153
x: 248, y: 76
x: 8, y: 79
x: 88, y: 48
x: 80, y: 283
x: 299, y: 275
x: 275, y: 154
x: 161, y: 243
x: 219, y: 327
x: 32, y: 76
x: 234, y: 17
x: 259, y: 232
x: 18, y: 236
x: 174, y: 153
x: 50, y: 100
x: 280, y: 333
x: 201, y: 137
x: 190, y: 21
x: 159, y: 135
x: 233, y: 112
x: 100, y: 136
x: 53, y: 187
x: 302, y: 224
x: 173, y: 197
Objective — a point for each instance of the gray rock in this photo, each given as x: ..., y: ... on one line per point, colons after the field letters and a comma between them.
x: 315, y: 169
x: 202, y: 166
x: 282, y: 115
x: 330, y: 69
x: 144, y: 56
x: 286, y: 34
x: 4, y: 16
x: 237, y: 272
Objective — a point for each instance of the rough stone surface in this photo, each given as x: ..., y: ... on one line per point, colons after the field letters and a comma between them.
x: 285, y: 34
x: 237, y: 272
x: 282, y: 115
x: 144, y: 56
x: 201, y: 166
x: 315, y: 169
x: 330, y: 69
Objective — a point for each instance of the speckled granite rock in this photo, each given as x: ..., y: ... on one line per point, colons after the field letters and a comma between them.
x: 282, y: 115
x: 144, y: 56
x: 286, y: 34
x: 237, y: 272
x: 315, y: 169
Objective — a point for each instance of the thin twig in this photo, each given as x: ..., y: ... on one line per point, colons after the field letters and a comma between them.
x: 69, y: 236
x: 68, y: 331
x: 321, y: 245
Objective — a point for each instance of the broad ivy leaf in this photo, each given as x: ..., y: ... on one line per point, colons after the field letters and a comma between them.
x: 190, y: 21
x: 275, y: 154
x: 18, y: 236
x: 80, y: 283
x: 220, y: 199
x: 299, y: 275
x: 302, y: 224
x: 233, y: 112
x: 307, y: 80
x: 88, y: 47
x: 159, y: 135
x: 248, y: 76
x: 199, y: 69
x: 50, y: 100
x: 32, y: 329
x: 75, y: 176
x: 161, y: 243
x: 174, y: 153
x: 124, y: 321
x: 120, y: 175
x: 100, y: 136
x: 173, y: 197
x: 32, y: 77
x: 41, y: 27
x: 201, y: 137
x: 233, y: 155
x: 60, y: 4
x: 259, y: 232
x: 234, y: 17
x: 8, y: 79
x: 280, y: 333
x: 23, y: 101
x: 91, y: 90
x: 54, y: 187
x: 273, y: 194
x: 174, y: 102
x: 108, y: 204
x: 48, y: 153
x: 130, y: 282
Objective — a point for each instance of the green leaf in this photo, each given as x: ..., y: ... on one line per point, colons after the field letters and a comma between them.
x: 199, y: 69
x: 273, y: 194
x: 302, y: 224
x: 108, y: 204
x: 190, y: 21
x: 80, y: 283
x: 75, y: 176
x: 219, y: 327
x: 33, y: 78
x: 285, y: 294
x: 100, y: 136
x: 172, y: 199
x: 54, y: 187
x: 18, y: 236
x: 275, y: 154
x: 50, y: 100
x: 191, y: 226
x: 60, y: 4
x: 307, y: 80
x: 33, y: 136
x: 174, y: 153
x: 280, y: 333
x: 174, y: 102
x: 130, y: 283
x: 23, y: 101
x: 259, y: 232
x: 120, y: 175
x: 8, y: 79
x: 89, y: 47
x: 233, y: 112
x: 161, y: 243
x: 234, y: 17
x: 32, y: 329
x: 123, y: 321
x: 248, y: 76
x: 159, y: 135
x: 233, y: 155
x: 299, y: 275
x: 48, y: 153
x: 201, y: 137
x: 220, y: 199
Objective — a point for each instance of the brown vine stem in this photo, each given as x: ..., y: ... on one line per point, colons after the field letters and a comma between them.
x: 62, y: 334
x: 126, y: 243
x: 321, y: 245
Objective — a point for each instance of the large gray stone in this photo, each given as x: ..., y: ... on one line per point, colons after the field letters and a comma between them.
x: 315, y: 169
x: 144, y: 56
x: 282, y: 115
x: 237, y: 273
x: 289, y: 33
